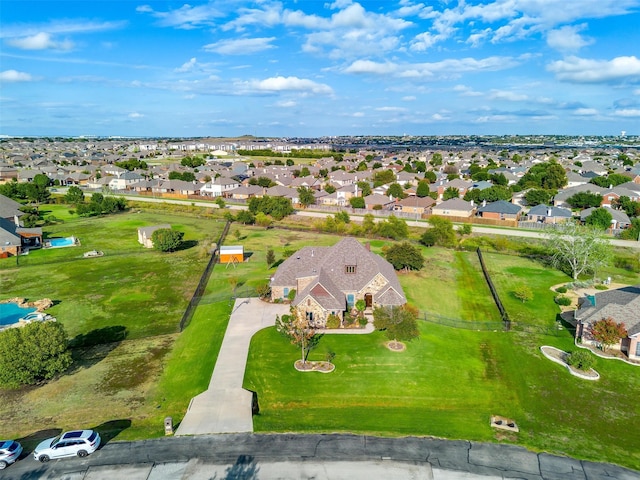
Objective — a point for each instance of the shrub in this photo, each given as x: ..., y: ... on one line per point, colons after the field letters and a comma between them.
x: 333, y: 321
x: 291, y: 295
x: 562, y: 300
x: 362, y: 321
x: 600, y: 286
x: 581, y: 359
x: 562, y: 289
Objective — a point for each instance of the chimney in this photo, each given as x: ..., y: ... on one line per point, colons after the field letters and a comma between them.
x: 548, y: 211
x: 16, y: 220
x: 471, y: 202
x: 484, y: 203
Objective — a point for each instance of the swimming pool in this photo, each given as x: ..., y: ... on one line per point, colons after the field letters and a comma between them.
x: 62, y: 242
x: 11, y: 313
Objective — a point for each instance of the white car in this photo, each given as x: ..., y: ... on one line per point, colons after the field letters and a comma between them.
x: 69, y: 444
x: 10, y: 451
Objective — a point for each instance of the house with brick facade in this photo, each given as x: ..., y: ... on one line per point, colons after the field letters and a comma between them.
x: 330, y: 280
x: 623, y: 306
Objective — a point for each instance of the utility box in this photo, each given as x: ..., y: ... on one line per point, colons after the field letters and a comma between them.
x: 168, y: 426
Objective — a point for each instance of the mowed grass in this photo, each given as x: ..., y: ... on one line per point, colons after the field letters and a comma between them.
x: 130, y: 301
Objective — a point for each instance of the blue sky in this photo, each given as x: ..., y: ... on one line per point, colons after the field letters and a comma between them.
x: 313, y: 68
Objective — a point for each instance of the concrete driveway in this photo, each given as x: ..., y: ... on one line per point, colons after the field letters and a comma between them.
x: 225, y: 407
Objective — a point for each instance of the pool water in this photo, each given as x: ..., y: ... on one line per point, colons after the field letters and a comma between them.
x: 62, y: 242
x: 11, y: 313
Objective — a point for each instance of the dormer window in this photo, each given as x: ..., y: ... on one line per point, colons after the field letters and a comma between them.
x: 350, y: 269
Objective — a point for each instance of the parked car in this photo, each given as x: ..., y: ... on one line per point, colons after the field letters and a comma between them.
x: 69, y: 444
x: 10, y: 451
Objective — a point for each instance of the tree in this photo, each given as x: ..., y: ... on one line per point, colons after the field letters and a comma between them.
x: 523, y: 293
x: 585, y: 200
x: 393, y: 227
x: 263, y: 220
x: 580, y: 359
x: 612, y: 180
x: 396, y: 191
x: 423, y: 189
x: 436, y: 159
x: 364, y: 187
x: 74, y: 195
x: 277, y: 207
x: 298, y: 329
x: 600, y: 218
x: 357, y: 202
x: 245, y: 217
x: 450, y: 192
x: 41, y: 180
x: 537, y: 196
x: 548, y: 176
x: 34, y: 353
x: 578, y: 248
x: 306, y: 196
x: 404, y: 256
x: 399, y: 323
x: 440, y: 233
x: 607, y: 332
x: 166, y: 240
x: 271, y: 257
x: 383, y: 177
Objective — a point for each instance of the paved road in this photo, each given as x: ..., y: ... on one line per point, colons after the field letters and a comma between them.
x: 225, y: 407
x: 251, y: 456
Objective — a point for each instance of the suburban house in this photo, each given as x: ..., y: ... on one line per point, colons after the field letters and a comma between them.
x: 415, y: 205
x: 218, y: 187
x: 145, y: 233
x: 454, y: 207
x: 619, y: 220
x: 546, y: 214
x: 622, y: 305
x: 500, y: 210
x: 330, y: 280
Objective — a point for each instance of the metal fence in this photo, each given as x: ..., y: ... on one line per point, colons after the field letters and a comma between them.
x: 503, y: 313
x: 204, y: 280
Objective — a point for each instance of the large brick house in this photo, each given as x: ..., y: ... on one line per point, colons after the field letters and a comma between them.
x: 622, y: 305
x: 329, y: 280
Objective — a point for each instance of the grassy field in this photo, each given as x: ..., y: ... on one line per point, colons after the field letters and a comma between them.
x: 446, y: 384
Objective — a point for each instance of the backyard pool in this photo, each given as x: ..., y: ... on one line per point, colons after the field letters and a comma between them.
x: 11, y: 313
x: 62, y: 242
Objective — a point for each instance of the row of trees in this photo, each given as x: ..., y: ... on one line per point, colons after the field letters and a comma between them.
x: 97, y: 205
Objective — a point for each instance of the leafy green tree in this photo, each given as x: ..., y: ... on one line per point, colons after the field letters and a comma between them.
x: 132, y: 164
x: 263, y: 220
x: 277, y: 207
x: 578, y: 249
x: 364, y: 188
x: 612, y: 180
x: 329, y: 188
x: 192, y: 162
x: 581, y: 359
x: 450, y: 192
x: 423, y: 189
x: 441, y: 233
x: 599, y: 218
x: 34, y: 353
x: 630, y: 207
x: 382, y: 177
x: 396, y: 191
x: 41, y: 180
x: 548, y: 176
x: 585, y: 200
x: 368, y: 224
x: 271, y: 257
x: 357, y: 202
x: 523, y: 293
x: 74, y: 195
x: 436, y: 159
x: 342, y: 216
x: 245, y: 217
x: 607, y: 332
x: 398, y: 323
x: 430, y: 176
x: 499, y: 179
x: 306, y: 196
x: 404, y: 256
x: 393, y: 227
x: 166, y: 239
x: 537, y: 196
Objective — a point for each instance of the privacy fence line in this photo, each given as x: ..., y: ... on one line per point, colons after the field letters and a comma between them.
x: 204, y: 280
x: 438, y: 319
x: 503, y: 313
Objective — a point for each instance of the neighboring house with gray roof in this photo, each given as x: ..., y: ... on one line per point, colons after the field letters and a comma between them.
x: 145, y: 234
x: 330, y: 280
x: 546, y: 214
x: 500, y: 210
x: 623, y: 306
x: 9, y: 208
x: 619, y: 219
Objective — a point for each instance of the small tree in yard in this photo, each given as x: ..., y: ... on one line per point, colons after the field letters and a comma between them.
x: 297, y: 328
x: 523, y: 293
x: 404, y: 256
x: 398, y: 323
x: 166, y: 240
x: 33, y: 353
x: 607, y: 332
x: 271, y: 257
x: 581, y: 359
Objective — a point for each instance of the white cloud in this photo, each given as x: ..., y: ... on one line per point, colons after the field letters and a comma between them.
x: 408, y: 98
x: 40, y: 41
x: 507, y: 95
x: 568, y: 38
x: 187, y: 66
x: 582, y: 70
x: 284, y: 84
x: 135, y: 115
x: 240, y: 46
x: 286, y: 104
x: 628, y: 112
x: 391, y: 109
x: 186, y: 17
x: 585, y: 112
x: 12, y: 76
x: 368, y: 66
x: 466, y: 91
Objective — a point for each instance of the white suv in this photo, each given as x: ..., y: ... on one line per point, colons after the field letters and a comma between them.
x: 10, y: 451
x: 69, y: 444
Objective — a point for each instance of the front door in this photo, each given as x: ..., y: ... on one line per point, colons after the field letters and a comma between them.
x: 368, y: 300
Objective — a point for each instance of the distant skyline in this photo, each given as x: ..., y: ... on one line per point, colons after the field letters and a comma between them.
x: 308, y: 68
